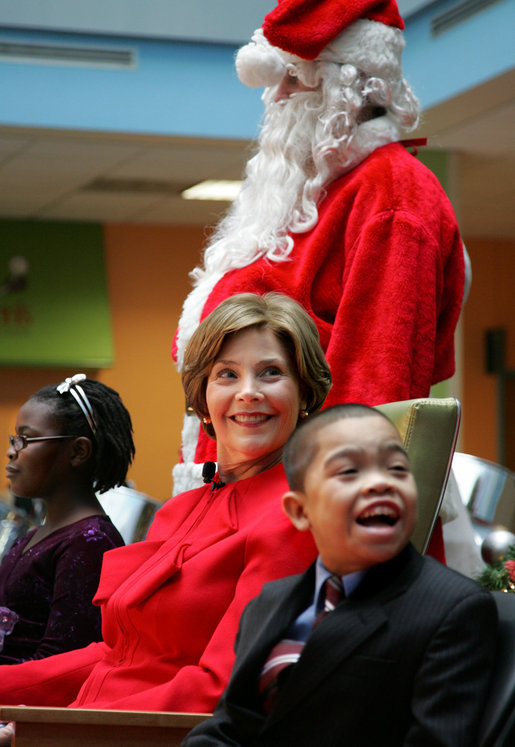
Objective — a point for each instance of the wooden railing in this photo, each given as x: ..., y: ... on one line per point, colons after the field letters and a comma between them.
x: 81, y: 727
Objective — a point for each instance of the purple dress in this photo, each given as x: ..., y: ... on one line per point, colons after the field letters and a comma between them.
x: 46, y: 592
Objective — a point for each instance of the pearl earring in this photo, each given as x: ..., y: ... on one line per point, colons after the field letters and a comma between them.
x: 206, y: 421
x: 304, y: 414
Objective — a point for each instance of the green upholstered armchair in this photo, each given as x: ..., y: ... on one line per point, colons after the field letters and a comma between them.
x: 429, y: 428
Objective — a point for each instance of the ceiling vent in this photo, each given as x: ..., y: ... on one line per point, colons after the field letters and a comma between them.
x: 61, y: 54
x: 458, y: 13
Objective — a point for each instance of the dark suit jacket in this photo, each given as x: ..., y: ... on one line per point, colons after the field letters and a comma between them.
x: 404, y: 660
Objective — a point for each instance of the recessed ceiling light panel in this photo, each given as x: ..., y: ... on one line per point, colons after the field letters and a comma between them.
x: 212, y: 189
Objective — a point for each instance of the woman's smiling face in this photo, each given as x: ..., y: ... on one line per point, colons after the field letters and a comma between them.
x: 253, y: 400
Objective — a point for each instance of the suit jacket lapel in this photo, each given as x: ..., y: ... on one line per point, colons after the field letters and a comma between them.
x: 333, y: 640
x: 267, y: 621
x: 388, y: 580
x: 339, y: 634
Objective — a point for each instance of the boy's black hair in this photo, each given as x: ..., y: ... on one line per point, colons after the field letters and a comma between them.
x: 113, y: 445
x: 302, y: 445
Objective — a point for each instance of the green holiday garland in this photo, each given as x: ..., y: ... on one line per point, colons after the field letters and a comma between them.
x: 500, y: 575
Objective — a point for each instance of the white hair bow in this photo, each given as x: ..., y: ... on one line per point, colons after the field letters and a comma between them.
x: 71, y: 385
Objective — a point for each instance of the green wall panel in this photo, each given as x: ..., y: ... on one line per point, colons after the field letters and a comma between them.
x: 54, y: 307
x: 438, y: 162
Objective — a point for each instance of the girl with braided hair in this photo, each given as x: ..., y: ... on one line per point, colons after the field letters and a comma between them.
x: 72, y: 441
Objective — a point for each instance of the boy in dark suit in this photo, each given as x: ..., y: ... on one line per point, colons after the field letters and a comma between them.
x: 400, y: 656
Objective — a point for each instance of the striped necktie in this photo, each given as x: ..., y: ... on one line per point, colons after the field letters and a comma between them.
x: 334, y: 593
x: 286, y: 653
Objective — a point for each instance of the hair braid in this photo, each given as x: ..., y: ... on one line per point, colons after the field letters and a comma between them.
x: 113, y: 445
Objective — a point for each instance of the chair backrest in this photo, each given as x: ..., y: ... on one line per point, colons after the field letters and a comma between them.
x: 130, y: 511
x: 429, y: 429
x: 498, y: 724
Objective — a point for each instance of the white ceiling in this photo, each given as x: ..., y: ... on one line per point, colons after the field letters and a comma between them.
x: 49, y: 175
x: 52, y: 175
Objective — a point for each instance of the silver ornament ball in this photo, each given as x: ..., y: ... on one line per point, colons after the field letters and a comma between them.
x: 496, y: 545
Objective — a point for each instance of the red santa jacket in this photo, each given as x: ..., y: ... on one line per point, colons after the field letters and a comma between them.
x: 381, y: 274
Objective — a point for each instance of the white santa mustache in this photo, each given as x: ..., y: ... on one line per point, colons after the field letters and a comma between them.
x: 271, y: 202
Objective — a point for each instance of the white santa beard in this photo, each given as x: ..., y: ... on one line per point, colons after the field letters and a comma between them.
x: 269, y: 203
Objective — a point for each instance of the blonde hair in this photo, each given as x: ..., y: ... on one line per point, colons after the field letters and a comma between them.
x: 283, y: 316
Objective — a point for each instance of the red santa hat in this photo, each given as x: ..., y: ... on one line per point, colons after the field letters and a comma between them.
x: 305, y: 27
x: 365, y: 33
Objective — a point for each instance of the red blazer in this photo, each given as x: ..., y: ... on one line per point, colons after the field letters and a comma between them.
x: 171, y: 604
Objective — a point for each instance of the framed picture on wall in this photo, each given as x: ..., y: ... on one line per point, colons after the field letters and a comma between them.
x: 54, y: 306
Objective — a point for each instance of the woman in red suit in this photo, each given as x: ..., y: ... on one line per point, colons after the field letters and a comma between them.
x: 171, y: 604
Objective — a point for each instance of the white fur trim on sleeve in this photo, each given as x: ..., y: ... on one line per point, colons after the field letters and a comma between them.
x: 186, y: 477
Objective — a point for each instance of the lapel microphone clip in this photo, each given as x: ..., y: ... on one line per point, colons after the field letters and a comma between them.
x: 208, y: 475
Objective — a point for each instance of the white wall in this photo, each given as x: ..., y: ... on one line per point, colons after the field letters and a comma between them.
x: 223, y: 21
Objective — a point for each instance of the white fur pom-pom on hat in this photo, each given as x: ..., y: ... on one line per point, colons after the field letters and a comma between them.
x: 258, y: 64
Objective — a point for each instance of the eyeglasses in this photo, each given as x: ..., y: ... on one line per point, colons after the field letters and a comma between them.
x: 18, y: 443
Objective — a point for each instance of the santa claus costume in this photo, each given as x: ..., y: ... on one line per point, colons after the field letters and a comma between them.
x: 369, y: 244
